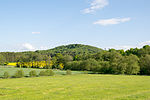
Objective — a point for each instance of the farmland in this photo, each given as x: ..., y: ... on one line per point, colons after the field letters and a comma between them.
x: 76, y: 87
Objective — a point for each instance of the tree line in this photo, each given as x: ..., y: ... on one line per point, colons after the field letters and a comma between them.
x: 32, y: 73
x: 86, y: 58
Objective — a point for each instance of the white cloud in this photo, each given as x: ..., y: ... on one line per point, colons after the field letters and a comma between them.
x: 30, y: 47
x: 124, y: 47
x: 96, y: 5
x: 112, y: 21
x: 35, y: 32
x: 27, y: 46
x: 43, y: 48
x: 144, y: 43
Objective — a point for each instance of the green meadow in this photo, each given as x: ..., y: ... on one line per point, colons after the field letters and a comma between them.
x: 11, y: 70
x: 76, y: 87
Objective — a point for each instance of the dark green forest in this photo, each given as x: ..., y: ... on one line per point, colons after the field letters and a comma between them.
x: 85, y: 58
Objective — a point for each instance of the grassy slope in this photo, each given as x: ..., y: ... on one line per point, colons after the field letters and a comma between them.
x: 76, y: 87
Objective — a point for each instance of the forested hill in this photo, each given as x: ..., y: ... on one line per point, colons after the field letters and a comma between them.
x: 84, y: 57
x: 72, y: 49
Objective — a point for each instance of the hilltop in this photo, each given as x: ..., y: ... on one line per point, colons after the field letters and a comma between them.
x: 71, y: 49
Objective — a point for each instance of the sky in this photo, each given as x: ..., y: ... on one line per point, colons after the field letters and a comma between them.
x: 28, y: 25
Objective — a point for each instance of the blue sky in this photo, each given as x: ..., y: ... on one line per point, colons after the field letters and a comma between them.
x: 44, y: 24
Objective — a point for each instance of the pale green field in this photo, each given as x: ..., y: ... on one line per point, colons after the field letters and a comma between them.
x: 11, y: 70
x: 76, y: 87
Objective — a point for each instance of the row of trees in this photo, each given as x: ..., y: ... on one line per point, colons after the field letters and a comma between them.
x: 113, y: 63
x: 32, y: 73
x: 133, y: 61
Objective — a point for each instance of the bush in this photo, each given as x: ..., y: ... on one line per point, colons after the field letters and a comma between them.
x: 47, y: 73
x: 75, y: 65
x: 85, y: 72
x: 42, y: 73
x: 32, y: 73
x: 6, y: 75
x: 19, y: 74
x: 68, y: 72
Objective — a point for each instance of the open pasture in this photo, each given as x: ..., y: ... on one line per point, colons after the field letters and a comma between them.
x: 76, y: 87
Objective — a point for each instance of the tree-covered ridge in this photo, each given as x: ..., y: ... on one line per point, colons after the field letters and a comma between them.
x: 85, y: 58
x: 72, y: 49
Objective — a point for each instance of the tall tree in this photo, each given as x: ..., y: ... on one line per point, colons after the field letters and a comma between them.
x: 132, y: 64
x: 2, y: 59
x: 145, y: 65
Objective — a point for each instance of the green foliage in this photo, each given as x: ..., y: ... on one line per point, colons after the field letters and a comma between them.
x: 132, y: 65
x: 2, y: 59
x: 75, y: 65
x: 42, y: 73
x: 89, y: 65
x: 6, y: 75
x: 47, y: 72
x: 12, y: 70
x: 19, y: 74
x: 145, y: 65
x: 73, y: 49
x: 105, y: 67
x: 68, y: 72
x: 32, y: 73
x: 83, y: 58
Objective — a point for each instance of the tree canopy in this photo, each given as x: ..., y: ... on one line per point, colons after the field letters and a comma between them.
x: 84, y: 57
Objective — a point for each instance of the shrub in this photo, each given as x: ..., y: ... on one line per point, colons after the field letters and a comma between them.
x: 68, y: 72
x: 85, y: 72
x: 49, y: 72
x: 75, y: 65
x: 42, y: 73
x: 6, y: 75
x: 19, y: 74
x: 32, y: 73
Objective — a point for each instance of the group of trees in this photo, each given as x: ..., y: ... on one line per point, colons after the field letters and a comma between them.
x: 83, y: 57
x: 107, y: 63
x: 32, y: 73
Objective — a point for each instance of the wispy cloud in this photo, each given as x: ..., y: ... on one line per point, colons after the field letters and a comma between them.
x: 112, y: 21
x: 27, y: 46
x: 30, y: 47
x: 126, y: 47
x: 96, y: 5
x: 35, y: 32
x: 43, y: 48
x: 145, y: 43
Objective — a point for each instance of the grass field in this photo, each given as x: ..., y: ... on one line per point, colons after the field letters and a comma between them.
x: 76, y: 87
x: 11, y: 70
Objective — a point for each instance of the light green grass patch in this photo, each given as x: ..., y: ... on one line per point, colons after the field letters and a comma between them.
x: 76, y: 87
x: 11, y: 70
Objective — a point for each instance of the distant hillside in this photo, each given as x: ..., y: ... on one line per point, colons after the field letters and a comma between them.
x: 72, y: 49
